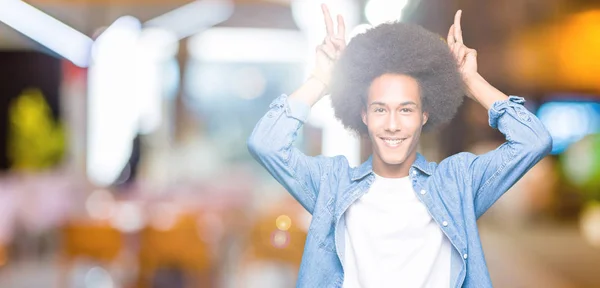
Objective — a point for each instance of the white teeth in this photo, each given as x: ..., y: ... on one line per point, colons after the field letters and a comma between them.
x: 393, y: 142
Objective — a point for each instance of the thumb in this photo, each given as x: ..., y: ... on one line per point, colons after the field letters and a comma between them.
x: 472, y: 53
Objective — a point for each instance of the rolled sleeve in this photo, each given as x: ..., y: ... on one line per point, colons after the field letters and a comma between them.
x: 298, y: 109
x: 293, y: 108
x: 500, y: 107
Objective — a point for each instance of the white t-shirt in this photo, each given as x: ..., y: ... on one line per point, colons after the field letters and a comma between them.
x: 392, y: 241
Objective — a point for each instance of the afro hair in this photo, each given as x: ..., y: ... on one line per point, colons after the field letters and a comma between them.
x: 396, y: 48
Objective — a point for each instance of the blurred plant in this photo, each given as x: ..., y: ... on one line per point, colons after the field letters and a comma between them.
x: 581, y: 166
x: 35, y: 141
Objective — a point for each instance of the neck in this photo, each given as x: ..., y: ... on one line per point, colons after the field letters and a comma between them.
x: 393, y: 170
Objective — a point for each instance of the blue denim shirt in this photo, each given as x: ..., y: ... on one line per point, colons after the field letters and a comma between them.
x: 456, y: 192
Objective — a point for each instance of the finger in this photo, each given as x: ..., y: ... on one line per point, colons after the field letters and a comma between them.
x: 456, y: 51
x: 328, y: 21
x: 331, y: 47
x: 339, y: 44
x: 328, y: 52
x: 457, y: 27
x: 328, y: 49
x: 471, y: 53
x: 341, y: 27
x: 460, y: 54
x: 450, y: 38
x: 455, y: 47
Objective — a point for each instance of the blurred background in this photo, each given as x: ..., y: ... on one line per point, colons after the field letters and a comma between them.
x: 123, y: 128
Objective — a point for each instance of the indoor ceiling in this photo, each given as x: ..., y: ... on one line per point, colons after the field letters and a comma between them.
x: 87, y: 16
x: 506, y: 33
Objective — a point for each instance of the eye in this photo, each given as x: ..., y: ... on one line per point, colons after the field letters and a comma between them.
x: 406, y: 110
x: 379, y: 110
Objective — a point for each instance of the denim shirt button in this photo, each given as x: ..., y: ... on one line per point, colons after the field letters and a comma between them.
x: 465, y: 256
x: 423, y: 192
x: 445, y: 223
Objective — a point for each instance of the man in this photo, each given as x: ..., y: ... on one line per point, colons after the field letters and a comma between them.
x: 396, y: 220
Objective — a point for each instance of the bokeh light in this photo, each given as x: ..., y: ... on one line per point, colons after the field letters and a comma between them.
x: 590, y: 224
x: 98, y: 277
x: 570, y: 121
x: 128, y: 217
x: 283, y: 222
x: 280, y: 239
x: 381, y: 11
x: 100, y: 204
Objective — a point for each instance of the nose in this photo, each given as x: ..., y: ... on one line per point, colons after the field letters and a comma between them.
x: 393, y: 123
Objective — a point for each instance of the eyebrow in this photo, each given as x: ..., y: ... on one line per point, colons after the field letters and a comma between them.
x: 406, y: 103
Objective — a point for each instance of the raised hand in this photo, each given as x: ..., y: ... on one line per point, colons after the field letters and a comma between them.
x: 331, y: 48
x: 466, y: 57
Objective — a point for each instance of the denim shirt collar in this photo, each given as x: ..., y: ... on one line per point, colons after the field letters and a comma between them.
x: 366, y: 167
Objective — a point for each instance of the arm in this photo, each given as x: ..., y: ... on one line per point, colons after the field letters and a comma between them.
x: 490, y: 175
x: 271, y: 144
x: 527, y: 141
x: 271, y: 141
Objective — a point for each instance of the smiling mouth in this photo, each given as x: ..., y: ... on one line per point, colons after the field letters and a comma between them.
x: 393, y: 142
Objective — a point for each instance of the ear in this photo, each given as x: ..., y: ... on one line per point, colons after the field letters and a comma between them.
x: 363, y: 115
x: 425, y: 118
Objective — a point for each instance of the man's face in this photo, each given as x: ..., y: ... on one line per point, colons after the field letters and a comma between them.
x: 394, y: 118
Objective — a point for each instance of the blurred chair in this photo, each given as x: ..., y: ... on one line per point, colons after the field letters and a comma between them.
x: 269, y: 243
x: 176, y: 250
x: 97, y: 241
x: 272, y: 255
x: 3, y: 255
